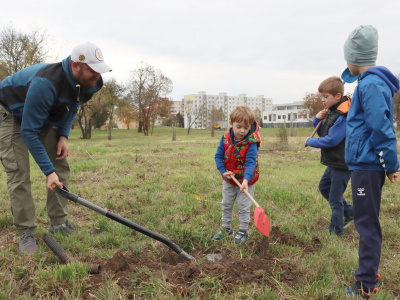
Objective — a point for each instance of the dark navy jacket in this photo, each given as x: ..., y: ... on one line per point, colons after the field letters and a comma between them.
x: 43, y: 96
x: 332, y: 135
x: 370, y: 137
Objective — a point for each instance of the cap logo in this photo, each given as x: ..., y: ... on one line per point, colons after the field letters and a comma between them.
x: 81, y: 57
x: 99, y: 55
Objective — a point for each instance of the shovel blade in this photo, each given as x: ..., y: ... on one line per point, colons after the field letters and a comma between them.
x: 261, y: 221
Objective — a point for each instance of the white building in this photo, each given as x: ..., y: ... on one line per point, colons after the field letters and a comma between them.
x: 198, y: 106
x: 289, y: 113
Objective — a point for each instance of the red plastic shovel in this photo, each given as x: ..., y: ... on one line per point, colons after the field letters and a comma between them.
x: 260, y: 218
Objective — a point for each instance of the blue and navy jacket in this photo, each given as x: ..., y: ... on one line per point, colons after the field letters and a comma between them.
x: 43, y: 96
x: 370, y: 137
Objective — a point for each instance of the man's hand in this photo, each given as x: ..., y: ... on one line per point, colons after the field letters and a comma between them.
x: 62, y: 148
x: 53, y: 178
x: 393, y: 176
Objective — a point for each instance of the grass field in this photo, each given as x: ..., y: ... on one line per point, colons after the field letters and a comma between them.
x: 174, y: 189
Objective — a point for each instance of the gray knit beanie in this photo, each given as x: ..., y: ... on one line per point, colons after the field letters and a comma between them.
x: 361, y: 47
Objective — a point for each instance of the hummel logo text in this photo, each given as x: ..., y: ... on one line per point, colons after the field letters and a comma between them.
x: 360, y: 192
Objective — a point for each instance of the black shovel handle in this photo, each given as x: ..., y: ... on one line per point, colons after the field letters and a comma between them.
x: 67, y: 194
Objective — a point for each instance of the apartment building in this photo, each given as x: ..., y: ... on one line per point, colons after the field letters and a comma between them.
x: 198, y: 106
x: 286, y: 113
x: 177, y: 107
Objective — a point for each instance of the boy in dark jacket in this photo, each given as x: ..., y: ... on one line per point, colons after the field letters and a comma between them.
x: 371, y: 150
x: 332, y: 143
x: 237, y: 155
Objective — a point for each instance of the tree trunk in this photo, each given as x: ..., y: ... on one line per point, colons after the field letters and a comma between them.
x: 212, y: 130
x: 173, y: 132
x: 152, y: 128
x: 109, y: 128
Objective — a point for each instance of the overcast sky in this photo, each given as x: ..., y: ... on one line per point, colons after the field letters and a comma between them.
x: 280, y: 49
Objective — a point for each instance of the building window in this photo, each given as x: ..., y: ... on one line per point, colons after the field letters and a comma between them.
x: 279, y: 117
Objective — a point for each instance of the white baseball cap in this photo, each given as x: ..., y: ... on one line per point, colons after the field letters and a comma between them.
x: 91, y: 55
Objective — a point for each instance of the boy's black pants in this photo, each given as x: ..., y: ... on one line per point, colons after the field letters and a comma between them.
x: 366, y: 188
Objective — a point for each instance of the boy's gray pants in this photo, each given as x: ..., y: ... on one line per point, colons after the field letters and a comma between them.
x: 230, y: 193
x: 14, y: 156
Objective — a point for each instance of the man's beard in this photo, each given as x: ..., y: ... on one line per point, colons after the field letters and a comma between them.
x: 86, y: 83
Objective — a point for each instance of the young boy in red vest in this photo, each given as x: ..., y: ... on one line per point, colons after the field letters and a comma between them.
x: 237, y: 155
x: 332, y: 134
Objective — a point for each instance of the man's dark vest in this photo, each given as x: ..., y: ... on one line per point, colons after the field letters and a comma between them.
x: 334, y: 156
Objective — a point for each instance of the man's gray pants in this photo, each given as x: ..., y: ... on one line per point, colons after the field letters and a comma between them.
x: 230, y: 193
x: 14, y: 156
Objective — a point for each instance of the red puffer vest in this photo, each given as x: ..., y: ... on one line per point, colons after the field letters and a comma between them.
x: 235, y: 155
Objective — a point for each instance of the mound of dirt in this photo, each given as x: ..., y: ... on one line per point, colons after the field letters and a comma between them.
x: 130, y: 270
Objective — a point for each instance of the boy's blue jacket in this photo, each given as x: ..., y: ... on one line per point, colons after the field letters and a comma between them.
x: 370, y: 137
x: 43, y: 96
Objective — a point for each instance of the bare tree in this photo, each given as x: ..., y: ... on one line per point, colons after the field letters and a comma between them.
x: 19, y: 50
x: 89, y: 112
x: 312, y: 105
x: 111, y: 93
x: 192, y: 114
x: 162, y: 109
x: 147, y: 87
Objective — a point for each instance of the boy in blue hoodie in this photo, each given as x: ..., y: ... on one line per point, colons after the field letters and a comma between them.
x: 371, y: 150
x: 332, y: 143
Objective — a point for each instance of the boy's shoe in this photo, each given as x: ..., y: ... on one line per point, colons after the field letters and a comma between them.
x: 348, y: 221
x: 356, y: 291
x: 223, y: 232
x: 241, y: 236
x: 27, y: 242
x: 64, y: 228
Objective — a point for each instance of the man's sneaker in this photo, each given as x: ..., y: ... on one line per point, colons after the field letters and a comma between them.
x: 348, y: 221
x: 356, y: 291
x: 27, y: 242
x: 241, y: 236
x: 64, y: 228
x: 223, y: 232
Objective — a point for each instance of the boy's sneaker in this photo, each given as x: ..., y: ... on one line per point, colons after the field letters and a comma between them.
x: 356, y: 291
x: 27, y: 242
x: 241, y: 236
x: 64, y: 228
x: 348, y: 221
x: 223, y: 232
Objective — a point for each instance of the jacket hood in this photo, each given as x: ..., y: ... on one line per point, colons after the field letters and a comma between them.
x: 385, y: 75
x: 68, y: 71
x: 253, y: 128
x: 343, y: 105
